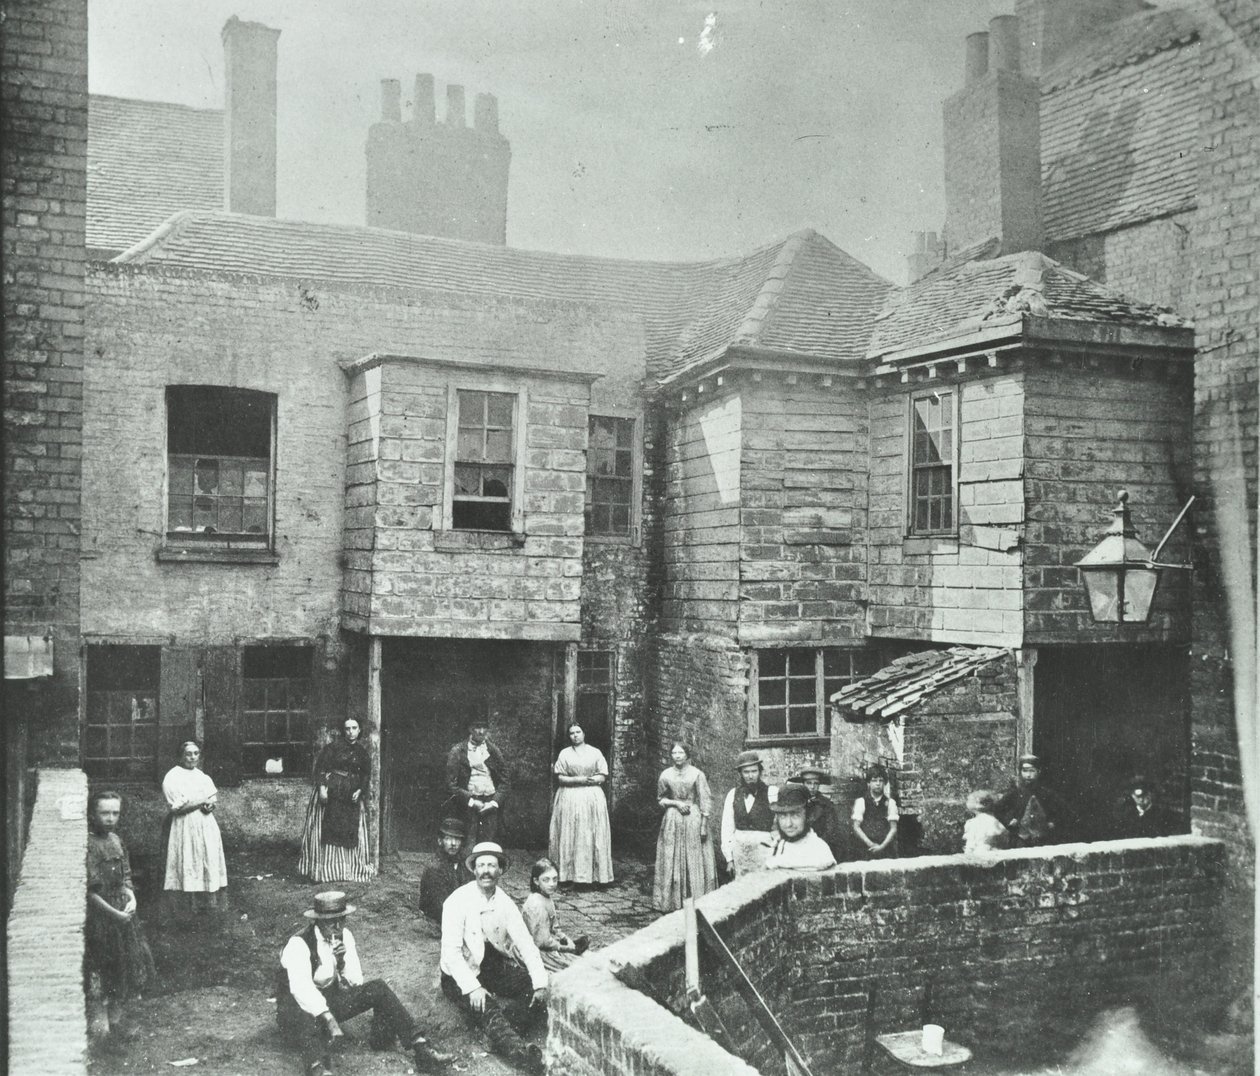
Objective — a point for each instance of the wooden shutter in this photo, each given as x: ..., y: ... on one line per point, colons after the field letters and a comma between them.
x: 177, y: 704
x: 221, y: 698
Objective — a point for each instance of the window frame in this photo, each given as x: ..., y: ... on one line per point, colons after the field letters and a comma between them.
x: 305, y: 748
x: 520, y: 415
x: 822, y: 731
x: 139, y: 775
x: 911, y: 469
x: 194, y: 545
x: 635, y: 536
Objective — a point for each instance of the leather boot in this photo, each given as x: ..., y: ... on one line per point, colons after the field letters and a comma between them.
x: 427, y: 1058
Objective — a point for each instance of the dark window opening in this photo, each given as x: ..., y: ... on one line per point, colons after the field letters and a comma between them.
x: 793, y: 687
x: 610, y: 476
x: 219, y: 463
x: 120, y: 729
x: 276, y: 710
x: 484, y: 461
x: 596, y: 697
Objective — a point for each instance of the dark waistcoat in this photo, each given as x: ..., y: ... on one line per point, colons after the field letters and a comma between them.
x: 760, y: 817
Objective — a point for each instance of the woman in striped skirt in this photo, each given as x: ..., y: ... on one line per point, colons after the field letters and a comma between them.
x: 335, y: 840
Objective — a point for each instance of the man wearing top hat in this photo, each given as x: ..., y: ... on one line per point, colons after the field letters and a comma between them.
x: 321, y: 983
x: 820, y: 811
x: 747, y: 819
x: 795, y: 845
x: 447, y: 872
x: 1033, y: 813
x: 491, y: 967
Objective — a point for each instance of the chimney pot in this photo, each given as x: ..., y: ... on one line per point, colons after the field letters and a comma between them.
x: 1004, y: 43
x: 455, y: 106
x: 486, y: 113
x: 423, y: 109
x: 977, y: 57
x: 391, y: 100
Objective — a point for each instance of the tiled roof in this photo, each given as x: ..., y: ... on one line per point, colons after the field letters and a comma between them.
x: 966, y: 297
x: 802, y: 296
x: 1119, y: 126
x: 898, y: 687
x: 147, y: 160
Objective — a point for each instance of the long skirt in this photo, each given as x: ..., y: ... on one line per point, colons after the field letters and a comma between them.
x: 119, y: 954
x: 322, y: 862
x: 581, y: 838
x: 684, y: 862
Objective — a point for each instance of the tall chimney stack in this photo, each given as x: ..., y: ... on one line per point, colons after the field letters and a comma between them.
x: 249, y: 118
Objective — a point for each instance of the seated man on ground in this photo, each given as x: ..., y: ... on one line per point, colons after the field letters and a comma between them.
x: 795, y: 846
x: 446, y: 873
x: 491, y: 967
x: 321, y: 983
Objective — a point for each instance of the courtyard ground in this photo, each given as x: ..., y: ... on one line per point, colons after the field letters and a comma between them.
x: 214, y: 1009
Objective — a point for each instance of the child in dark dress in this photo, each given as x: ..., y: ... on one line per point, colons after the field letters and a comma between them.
x: 117, y: 960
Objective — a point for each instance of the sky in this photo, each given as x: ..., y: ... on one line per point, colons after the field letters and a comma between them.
x: 652, y: 129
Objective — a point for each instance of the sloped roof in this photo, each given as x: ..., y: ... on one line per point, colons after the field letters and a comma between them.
x: 801, y: 296
x: 147, y: 160
x: 1119, y: 125
x: 966, y: 297
x: 906, y: 682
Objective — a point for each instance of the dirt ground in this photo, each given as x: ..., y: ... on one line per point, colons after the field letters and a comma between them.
x: 214, y: 1009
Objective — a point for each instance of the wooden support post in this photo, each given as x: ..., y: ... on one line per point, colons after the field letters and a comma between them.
x: 691, y: 947
x: 1025, y: 664
x: 374, y: 722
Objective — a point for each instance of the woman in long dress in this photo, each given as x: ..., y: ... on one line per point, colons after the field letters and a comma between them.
x: 581, y: 838
x: 195, y: 865
x: 684, y: 853
x: 335, y: 838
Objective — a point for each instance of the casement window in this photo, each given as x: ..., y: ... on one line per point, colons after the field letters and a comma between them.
x: 120, y: 727
x: 933, y: 472
x: 219, y: 465
x: 484, y: 493
x: 789, y: 688
x: 276, y: 710
x: 613, y: 470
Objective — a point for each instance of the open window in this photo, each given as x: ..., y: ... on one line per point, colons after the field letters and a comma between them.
x: 483, y: 490
x: 932, y: 486
x: 613, y: 470
x: 219, y: 465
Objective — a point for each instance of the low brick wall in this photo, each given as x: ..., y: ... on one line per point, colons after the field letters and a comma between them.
x: 1003, y: 945
x: 47, y: 1016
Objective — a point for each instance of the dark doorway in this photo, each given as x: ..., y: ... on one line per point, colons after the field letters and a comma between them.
x: 1104, y: 713
x: 430, y: 690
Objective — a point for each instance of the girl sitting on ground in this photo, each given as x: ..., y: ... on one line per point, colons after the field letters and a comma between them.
x: 539, y: 912
x: 983, y: 832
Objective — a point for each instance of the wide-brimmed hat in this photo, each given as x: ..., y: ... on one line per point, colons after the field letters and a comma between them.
x: 453, y: 827
x: 329, y: 905
x: 487, y: 848
x: 791, y: 798
x: 748, y: 758
x: 824, y: 778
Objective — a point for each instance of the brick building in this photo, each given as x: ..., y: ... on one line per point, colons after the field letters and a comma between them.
x: 410, y: 473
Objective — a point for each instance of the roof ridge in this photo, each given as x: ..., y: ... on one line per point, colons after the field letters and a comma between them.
x: 1063, y: 73
x: 771, y: 289
x: 146, y: 101
x: 174, y: 225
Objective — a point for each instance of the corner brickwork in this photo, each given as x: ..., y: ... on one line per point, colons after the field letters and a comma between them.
x: 47, y: 1014
x: 1109, y: 922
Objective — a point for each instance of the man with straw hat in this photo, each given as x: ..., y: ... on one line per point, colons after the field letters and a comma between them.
x: 321, y: 983
x: 491, y: 967
x: 447, y: 871
x: 747, y: 819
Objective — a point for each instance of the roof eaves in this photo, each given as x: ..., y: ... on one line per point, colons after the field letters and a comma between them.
x: 976, y: 335
x: 377, y: 358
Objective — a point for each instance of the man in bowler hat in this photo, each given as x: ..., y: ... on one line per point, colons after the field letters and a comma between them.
x: 321, y: 983
x: 747, y: 818
x: 446, y: 873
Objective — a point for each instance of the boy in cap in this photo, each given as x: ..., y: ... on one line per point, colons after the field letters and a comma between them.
x: 795, y: 846
x: 491, y: 967
x: 447, y: 872
x: 1033, y: 813
x: 747, y: 818
x: 1140, y: 815
x: 821, y: 812
x: 321, y: 983
x: 875, y: 816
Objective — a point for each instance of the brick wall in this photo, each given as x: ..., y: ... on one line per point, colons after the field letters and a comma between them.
x: 44, y: 164
x: 47, y: 1016
x: 1003, y: 941
x: 802, y: 515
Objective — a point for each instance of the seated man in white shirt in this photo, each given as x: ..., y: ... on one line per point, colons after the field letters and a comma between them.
x: 491, y: 967
x: 795, y: 846
x: 747, y: 820
x: 321, y: 983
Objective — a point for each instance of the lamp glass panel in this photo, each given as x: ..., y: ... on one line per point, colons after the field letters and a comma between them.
x: 1139, y: 590
x: 1101, y: 585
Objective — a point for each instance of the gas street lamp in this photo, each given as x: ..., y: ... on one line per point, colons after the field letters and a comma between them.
x: 1120, y: 574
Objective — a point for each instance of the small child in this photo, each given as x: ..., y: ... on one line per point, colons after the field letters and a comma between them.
x: 539, y: 912
x: 983, y: 832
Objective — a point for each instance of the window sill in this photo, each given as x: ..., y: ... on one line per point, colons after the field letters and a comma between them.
x: 812, y: 740
x: 927, y: 544
x: 610, y: 539
x: 462, y: 541
x: 182, y: 554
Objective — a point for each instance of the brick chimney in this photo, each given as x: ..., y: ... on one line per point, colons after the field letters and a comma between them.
x: 927, y: 252
x: 249, y: 118
x: 438, y: 178
x: 1048, y: 28
x: 992, y: 147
